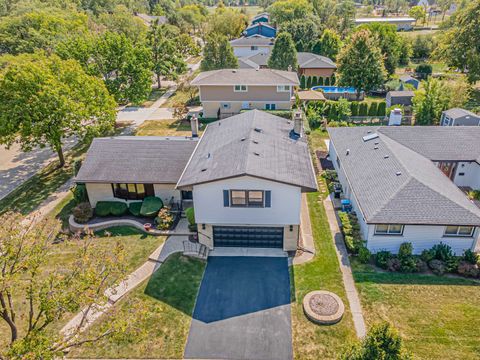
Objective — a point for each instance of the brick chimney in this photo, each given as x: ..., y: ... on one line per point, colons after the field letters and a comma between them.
x: 297, y: 123
x: 194, y: 125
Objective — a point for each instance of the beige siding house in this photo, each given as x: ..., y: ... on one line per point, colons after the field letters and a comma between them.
x: 226, y: 92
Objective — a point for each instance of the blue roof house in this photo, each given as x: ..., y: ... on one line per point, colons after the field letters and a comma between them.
x: 261, y: 18
x: 261, y: 29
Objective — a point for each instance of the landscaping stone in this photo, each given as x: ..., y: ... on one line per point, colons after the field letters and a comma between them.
x: 323, y: 307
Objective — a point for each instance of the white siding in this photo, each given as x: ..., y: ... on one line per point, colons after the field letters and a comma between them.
x: 421, y: 236
x: 209, y: 209
x: 471, y: 177
x: 242, y: 51
x: 166, y: 192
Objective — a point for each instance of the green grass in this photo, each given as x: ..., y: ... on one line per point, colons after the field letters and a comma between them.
x: 160, y: 314
x: 180, y: 96
x: 311, y: 341
x: 155, y: 94
x: 436, y: 316
x: 164, y: 128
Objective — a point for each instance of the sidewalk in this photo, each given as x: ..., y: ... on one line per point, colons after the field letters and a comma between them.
x: 307, y: 242
x: 349, y: 283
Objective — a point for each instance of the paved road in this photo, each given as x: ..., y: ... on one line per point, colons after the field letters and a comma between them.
x: 242, y: 310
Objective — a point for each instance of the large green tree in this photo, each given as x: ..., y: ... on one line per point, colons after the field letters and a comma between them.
x: 283, y: 53
x: 289, y: 10
x: 360, y: 63
x: 228, y: 22
x: 44, y: 100
x: 328, y: 45
x: 218, y: 54
x: 122, y: 21
x: 344, y: 12
x: 304, y: 32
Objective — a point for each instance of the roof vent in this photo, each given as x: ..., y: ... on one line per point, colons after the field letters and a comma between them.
x: 256, y: 153
x: 370, y: 137
x: 234, y: 71
x: 386, y: 156
x: 348, y: 151
x: 203, y: 170
x: 208, y: 156
x: 375, y: 148
x: 398, y: 173
x: 376, y: 143
x: 369, y: 131
x: 258, y: 130
x: 242, y: 139
x: 255, y: 141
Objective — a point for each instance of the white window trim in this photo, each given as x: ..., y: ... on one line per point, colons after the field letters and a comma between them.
x: 458, y: 229
x: 240, y: 90
x: 388, y: 229
x: 282, y: 88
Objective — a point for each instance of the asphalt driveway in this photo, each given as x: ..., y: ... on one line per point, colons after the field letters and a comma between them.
x: 242, y: 310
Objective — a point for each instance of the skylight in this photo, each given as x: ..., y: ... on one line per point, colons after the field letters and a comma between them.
x: 370, y: 137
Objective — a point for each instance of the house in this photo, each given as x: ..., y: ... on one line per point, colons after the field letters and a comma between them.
x: 261, y: 18
x: 404, y: 184
x: 150, y: 19
x: 129, y: 168
x: 404, y: 98
x: 248, y: 46
x: 257, y: 61
x: 245, y: 177
x: 459, y: 117
x: 315, y: 65
x: 260, y: 29
x: 226, y: 92
x: 407, y: 79
x: 402, y: 23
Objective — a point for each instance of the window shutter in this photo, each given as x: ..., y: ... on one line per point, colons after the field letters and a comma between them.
x: 226, y: 199
x: 268, y: 198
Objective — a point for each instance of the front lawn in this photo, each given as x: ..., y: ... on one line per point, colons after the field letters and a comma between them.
x: 312, y: 341
x: 160, y: 314
x: 165, y: 128
x: 436, y: 316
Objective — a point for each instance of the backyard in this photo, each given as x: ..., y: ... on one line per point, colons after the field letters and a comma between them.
x: 165, y: 128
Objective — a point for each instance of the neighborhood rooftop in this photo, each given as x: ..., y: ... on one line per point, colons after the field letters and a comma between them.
x: 253, y: 143
x: 457, y: 112
x: 136, y: 159
x: 401, y: 93
x: 394, y: 178
x: 255, y: 40
x: 246, y: 77
x: 383, y: 19
x: 309, y: 60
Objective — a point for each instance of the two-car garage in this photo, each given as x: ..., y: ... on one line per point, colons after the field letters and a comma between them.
x: 248, y: 236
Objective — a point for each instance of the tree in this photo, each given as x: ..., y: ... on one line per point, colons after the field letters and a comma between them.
x: 418, y: 13
x: 228, y: 22
x: 303, y: 82
x: 405, y: 51
x: 460, y: 45
x: 444, y: 6
x: 304, y: 32
x: 283, y: 53
x: 289, y: 10
x: 423, y: 46
x: 31, y: 299
x: 122, y: 21
x: 45, y: 99
x: 345, y: 13
x: 360, y: 63
x: 218, y: 54
x: 191, y: 16
x: 328, y: 45
x: 381, y: 342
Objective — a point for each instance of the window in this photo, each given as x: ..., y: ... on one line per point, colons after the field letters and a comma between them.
x: 132, y: 191
x: 465, y: 231
x: 253, y: 48
x: 240, y: 88
x: 246, y: 198
x: 283, y: 88
x: 388, y: 229
x: 270, y: 106
x: 226, y: 105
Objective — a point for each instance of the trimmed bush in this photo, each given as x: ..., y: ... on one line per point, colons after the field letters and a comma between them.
x: 382, y: 258
x: 82, y: 212
x: 437, y: 266
x: 351, y: 231
x: 362, y: 109
x: 134, y: 208
x: 470, y: 257
x: 320, y: 81
x: 372, y: 110
x: 102, y: 208
x: 424, y: 70
x: 364, y: 255
x: 382, y: 108
x: 394, y: 264
x: 118, y: 208
x: 422, y: 266
x: 327, y: 81
x: 442, y: 252
x: 314, y: 81
x: 407, y: 261
x: 333, y: 80
x: 303, y: 82
x: 190, y: 214
x: 468, y: 269
x: 309, y: 82
x: 151, y: 206
x: 427, y: 255
x: 80, y: 193
x: 354, y: 108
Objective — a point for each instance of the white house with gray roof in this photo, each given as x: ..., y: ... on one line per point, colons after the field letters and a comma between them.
x: 248, y: 46
x: 405, y: 183
x: 245, y: 177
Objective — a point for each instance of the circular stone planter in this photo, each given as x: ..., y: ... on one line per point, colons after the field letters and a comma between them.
x: 323, y: 307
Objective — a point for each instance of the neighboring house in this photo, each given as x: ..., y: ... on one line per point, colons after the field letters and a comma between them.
x: 260, y: 29
x: 226, y: 92
x: 261, y: 18
x: 404, y: 98
x: 257, y: 61
x: 315, y: 65
x: 150, y: 19
x: 247, y: 46
x: 402, y: 23
x: 247, y: 175
x: 407, y: 79
x: 131, y: 167
x: 403, y: 183
x: 459, y: 117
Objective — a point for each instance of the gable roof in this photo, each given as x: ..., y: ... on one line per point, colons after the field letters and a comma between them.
x: 254, y: 40
x: 401, y: 94
x: 314, y: 61
x: 406, y: 78
x: 458, y: 112
x: 253, y: 61
x: 398, y: 182
x: 136, y: 159
x: 246, y: 77
x: 258, y: 16
x: 253, y: 143
x: 260, y: 24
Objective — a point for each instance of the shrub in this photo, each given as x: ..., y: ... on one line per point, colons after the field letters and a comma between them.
x: 427, y: 255
x: 309, y: 82
x: 118, y: 208
x: 303, y: 82
x: 134, y: 208
x: 354, y: 108
x: 407, y: 261
x: 424, y: 70
x: 190, y: 214
x: 364, y: 255
x: 80, y: 193
x: 77, y: 164
x: 372, y: 110
x: 394, y: 264
x: 474, y: 194
x: 362, y: 109
x: 405, y: 250
x: 320, y: 81
x: 165, y: 219
x: 442, y: 252
x: 333, y: 80
x: 327, y: 81
x: 470, y: 257
x: 314, y: 81
x: 422, y: 266
x: 82, y: 212
x: 382, y: 258
x: 351, y: 231
x: 437, y: 266
x: 466, y: 268
x: 102, y: 208
x: 382, y: 108
x: 151, y: 206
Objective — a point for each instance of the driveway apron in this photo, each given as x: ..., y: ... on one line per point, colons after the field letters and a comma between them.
x: 242, y: 310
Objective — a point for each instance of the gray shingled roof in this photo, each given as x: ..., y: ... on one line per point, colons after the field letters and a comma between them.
x: 246, y: 77
x: 401, y: 94
x: 232, y: 147
x: 458, y: 112
x: 257, y: 40
x: 406, y: 187
x: 253, y: 61
x: 314, y: 61
x: 136, y: 159
x: 246, y: 63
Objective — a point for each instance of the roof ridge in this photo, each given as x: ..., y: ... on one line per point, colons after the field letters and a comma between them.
x: 275, y: 71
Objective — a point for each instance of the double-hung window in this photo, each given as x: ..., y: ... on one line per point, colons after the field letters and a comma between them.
x: 388, y: 229
x: 463, y: 231
x: 240, y: 88
x: 283, y: 88
x: 270, y: 107
x: 132, y: 191
x: 246, y: 198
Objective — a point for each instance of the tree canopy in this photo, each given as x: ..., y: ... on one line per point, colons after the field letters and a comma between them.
x: 304, y: 33
x: 289, y: 10
x: 283, y: 53
x: 218, y: 54
x: 328, y: 45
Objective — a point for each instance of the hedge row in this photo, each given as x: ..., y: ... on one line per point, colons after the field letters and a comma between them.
x: 307, y: 82
x: 351, y: 231
x: 149, y: 207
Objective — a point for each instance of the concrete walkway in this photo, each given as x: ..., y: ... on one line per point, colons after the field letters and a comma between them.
x: 342, y: 255
x: 307, y: 242
x: 170, y: 246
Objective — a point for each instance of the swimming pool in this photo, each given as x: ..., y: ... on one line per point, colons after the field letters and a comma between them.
x: 335, y: 89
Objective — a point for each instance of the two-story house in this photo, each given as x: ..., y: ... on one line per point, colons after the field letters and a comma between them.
x: 226, y: 92
x: 248, y: 46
